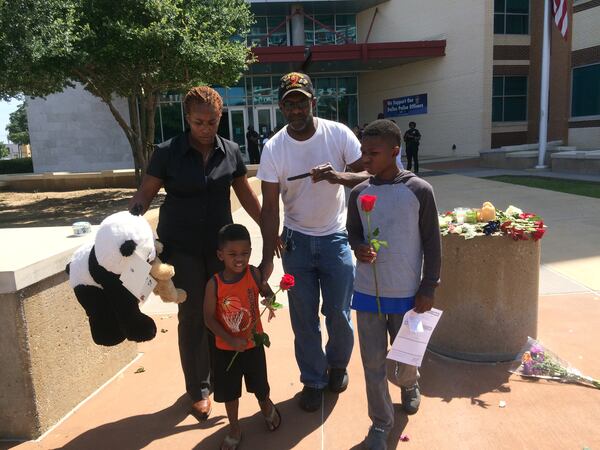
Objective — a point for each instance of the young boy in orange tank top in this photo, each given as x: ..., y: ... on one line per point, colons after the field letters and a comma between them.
x: 231, y: 312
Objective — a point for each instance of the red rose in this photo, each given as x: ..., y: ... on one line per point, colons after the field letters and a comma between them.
x: 287, y: 281
x: 526, y: 215
x: 367, y: 202
x: 537, y: 234
x: 519, y: 235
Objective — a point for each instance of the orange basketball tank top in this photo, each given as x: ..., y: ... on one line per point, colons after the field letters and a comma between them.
x: 237, y: 309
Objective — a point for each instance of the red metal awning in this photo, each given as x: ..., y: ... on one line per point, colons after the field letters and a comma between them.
x: 347, y: 57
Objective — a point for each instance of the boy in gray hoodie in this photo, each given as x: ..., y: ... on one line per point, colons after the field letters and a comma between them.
x: 408, y: 269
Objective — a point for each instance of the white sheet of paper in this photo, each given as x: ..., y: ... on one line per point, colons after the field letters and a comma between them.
x: 415, y: 323
x: 411, y: 341
x: 136, y: 277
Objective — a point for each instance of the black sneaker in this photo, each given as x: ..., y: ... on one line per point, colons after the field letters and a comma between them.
x: 411, y: 399
x: 338, y: 380
x: 376, y: 439
x: 311, y: 398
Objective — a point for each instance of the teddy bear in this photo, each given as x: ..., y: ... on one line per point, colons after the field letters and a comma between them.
x: 163, y: 273
x: 94, y: 270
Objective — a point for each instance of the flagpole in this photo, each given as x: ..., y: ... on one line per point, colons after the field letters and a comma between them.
x: 545, y: 88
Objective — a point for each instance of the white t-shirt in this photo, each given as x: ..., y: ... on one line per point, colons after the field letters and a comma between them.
x: 316, y: 209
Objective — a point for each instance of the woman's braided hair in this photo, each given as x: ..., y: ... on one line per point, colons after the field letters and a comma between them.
x: 203, y: 95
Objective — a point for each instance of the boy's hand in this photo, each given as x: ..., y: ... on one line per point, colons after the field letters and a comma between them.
x: 237, y: 344
x: 365, y: 254
x: 423, y: 303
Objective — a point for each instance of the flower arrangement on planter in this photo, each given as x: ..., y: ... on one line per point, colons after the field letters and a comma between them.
x: 489, y: 221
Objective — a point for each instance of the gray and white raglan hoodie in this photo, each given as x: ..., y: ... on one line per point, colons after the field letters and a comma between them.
x: 406, y: 215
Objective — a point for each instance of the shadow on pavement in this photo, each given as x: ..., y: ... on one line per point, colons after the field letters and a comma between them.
x: 295, y: 426
x: 133, y: 433
x: 400, y: 422
x: 448, y: 379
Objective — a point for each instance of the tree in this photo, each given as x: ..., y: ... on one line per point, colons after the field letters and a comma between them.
x: 4, y: 151
x: 18, y: 131
x: 136, y: 49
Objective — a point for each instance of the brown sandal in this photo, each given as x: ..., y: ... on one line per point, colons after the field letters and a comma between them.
x: 272, y: 417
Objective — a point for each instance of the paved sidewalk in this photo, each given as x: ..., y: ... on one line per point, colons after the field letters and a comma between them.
x: 460, y: 407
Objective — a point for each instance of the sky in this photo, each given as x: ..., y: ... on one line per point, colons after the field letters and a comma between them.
x: 5, y: 109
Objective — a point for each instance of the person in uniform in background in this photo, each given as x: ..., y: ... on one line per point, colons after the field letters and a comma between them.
x: 411, y: 139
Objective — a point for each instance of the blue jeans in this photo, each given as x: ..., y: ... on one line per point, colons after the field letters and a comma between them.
x: 321, y: 265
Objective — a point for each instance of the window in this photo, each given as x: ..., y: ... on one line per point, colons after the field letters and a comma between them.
x: 337, y: 99
x: 276, y: 25
x: 168, y: 120
x: 511, y: 16
x: 345, y: 25
x: 509, y: 99
x: 586, y: 91
x: 322, y: 33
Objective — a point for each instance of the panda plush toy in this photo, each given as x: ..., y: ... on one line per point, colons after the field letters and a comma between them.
x: 113, y: 312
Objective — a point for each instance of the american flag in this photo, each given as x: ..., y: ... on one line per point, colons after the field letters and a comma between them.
x: 561, y: 16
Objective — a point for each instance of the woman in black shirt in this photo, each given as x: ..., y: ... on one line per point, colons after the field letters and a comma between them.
x: 197, y: 170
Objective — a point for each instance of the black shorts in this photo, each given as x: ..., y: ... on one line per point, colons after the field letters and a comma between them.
x: 251, y: 365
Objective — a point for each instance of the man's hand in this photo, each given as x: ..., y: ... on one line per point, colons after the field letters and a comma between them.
x: 237, y: 343
x: 423, y: 303
x: 325, y: 172
x: 279, y: 247
x: 365, y: 254
x: 266, y: 269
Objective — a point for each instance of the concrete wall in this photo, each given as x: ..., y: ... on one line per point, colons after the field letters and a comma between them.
x: 74, y: 131
x: 586, y: 28
x: 458, y: 85
x: 48, y: 361
x: 585, y: 138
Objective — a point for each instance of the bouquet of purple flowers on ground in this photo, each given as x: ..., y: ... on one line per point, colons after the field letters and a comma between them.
x: 536, y: 361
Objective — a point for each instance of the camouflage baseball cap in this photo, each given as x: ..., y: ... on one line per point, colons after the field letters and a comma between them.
x: 295, y: 82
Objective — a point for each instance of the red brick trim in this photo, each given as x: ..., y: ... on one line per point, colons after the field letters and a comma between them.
x: 585, y: 124
x: 511, y: 70
x: 510, y: 138
x: 520, y: 52
x: 587, y: 5
x: 590, y: 55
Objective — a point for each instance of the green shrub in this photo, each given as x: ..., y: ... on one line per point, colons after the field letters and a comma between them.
x: 17, y: 165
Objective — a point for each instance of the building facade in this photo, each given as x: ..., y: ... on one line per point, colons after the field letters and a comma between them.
x: 467, y: 72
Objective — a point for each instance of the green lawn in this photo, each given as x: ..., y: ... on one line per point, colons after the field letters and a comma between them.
x: 577, y: 187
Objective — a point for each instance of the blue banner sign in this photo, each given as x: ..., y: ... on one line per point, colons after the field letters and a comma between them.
x: 405, y: 106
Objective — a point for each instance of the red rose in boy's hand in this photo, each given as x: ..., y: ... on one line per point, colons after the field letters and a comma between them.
x: 287, y: 281
x: 367, y: 202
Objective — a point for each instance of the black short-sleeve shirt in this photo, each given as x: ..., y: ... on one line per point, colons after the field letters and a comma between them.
x: 197, y: 203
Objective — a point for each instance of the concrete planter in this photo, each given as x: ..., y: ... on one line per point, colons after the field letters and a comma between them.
x: 48, y: 361
x: 489, y: 295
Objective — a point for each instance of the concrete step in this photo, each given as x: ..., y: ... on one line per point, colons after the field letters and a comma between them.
x: 578, y: 161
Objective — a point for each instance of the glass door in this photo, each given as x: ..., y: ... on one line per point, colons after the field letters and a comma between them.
x: 263, y: 118
x: 238, y: 122
x: 269, y: 119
